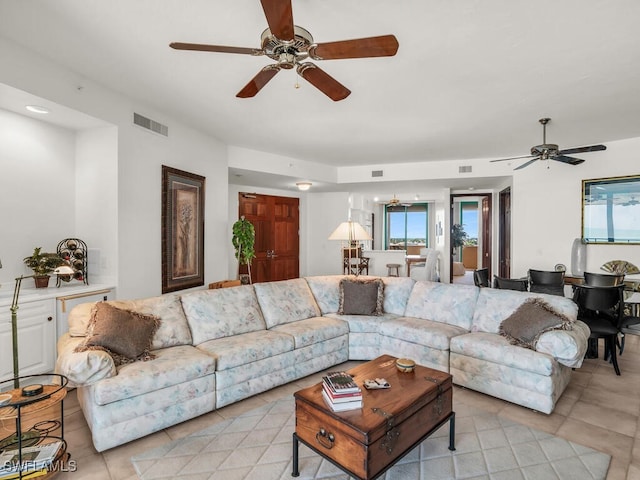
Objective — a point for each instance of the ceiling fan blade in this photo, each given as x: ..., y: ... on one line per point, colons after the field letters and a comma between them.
x: 279, y: 17
x: 592, y: 148
x: 569, y: 160
x: 526, y: 164
x: 259, y: 81
x: 323, y: 81
x: 512, y: 158
x: 383, y: 46
x: 215, y: 48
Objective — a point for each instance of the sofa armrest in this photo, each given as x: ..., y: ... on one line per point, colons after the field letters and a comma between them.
x: 566, y: 346
x: 82, y: 368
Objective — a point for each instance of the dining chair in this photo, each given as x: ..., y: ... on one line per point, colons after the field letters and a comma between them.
x: 603, y: 279
x: 519, y: 284
x: 481, y: 277
x: 601, y: 308
x: 550, y: 282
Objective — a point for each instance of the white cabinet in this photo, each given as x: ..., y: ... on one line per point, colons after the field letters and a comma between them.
x: 42, y: 317
x: 36, y: 338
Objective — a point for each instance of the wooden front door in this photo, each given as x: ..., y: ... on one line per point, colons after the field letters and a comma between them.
x: 276, y: 221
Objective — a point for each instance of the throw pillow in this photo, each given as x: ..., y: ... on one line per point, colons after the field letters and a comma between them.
x: 125, y: 335
x: 530, y: 320
x: 361, y: 296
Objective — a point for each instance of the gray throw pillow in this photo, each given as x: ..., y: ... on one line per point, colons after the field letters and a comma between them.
x: 361, y: 296
x: 530, y: 320
x: 125, y: 335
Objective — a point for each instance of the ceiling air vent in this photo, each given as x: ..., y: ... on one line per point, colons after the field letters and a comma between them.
x: 377, y: 173
x: 149, y: 124
x: 464, y: 169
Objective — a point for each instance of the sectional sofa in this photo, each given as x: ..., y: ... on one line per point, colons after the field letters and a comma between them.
x: 215, y: 347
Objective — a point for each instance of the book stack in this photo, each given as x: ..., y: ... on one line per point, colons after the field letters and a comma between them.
x: 36, y: 461
x: 341, y: 392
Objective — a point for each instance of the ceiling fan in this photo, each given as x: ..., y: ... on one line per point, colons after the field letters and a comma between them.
x: 290, y: 45
x: 395, y: 202
x: 551, y: 151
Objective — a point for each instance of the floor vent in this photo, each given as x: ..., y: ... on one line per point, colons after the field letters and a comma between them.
x: 377, y: 173
x: 149, y: 124
x: 464, y: 169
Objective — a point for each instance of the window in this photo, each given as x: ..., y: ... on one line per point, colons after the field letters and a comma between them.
x: 469, y: 221
x: 406, y: 226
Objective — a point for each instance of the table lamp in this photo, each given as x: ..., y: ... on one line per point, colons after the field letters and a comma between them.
x: 350, y: 231
x: 62, y: 270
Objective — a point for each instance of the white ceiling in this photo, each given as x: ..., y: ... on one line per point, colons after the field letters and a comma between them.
x: 470, y: 80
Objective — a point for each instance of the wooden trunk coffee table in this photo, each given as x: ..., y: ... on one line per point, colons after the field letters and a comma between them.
x: 368, y: 441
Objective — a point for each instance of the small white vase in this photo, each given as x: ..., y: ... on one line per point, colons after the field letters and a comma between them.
x: 578, y: 257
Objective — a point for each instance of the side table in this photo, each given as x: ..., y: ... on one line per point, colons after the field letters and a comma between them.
x: 42, y: 392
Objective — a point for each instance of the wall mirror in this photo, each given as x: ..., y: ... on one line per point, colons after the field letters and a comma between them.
x: 611, y: 210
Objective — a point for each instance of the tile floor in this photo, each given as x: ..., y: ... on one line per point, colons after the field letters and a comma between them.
x: 598, y: 409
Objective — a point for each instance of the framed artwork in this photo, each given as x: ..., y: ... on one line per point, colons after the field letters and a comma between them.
x: 182, y: 229
x: 611, y: 210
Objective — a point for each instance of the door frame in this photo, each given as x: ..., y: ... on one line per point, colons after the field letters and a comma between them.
x: 487, y: 228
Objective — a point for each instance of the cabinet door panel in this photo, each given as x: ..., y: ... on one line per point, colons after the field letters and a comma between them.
x: 36, y: 339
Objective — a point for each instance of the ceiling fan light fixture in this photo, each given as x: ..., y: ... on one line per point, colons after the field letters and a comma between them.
x: 303, y: 186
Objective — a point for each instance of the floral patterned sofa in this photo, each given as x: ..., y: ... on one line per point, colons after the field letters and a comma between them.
x: 215, y: 347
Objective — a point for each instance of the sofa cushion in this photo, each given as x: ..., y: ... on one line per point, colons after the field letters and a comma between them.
x: 364, y: 323
x: 396, y: 294
x: 420, y: 331
x: 494, y: 305
x: 173, y: 329
x: 172, y: 366
x: 496, y: 349
x: 246, y: 348
x: 222, y: 313
x: 106, y: 328
x: 530, y: 320
x: 286, y: 301
x: 361, y: 296
x: 313, y: 330
x: 443, y: 302
x: 326, y: 291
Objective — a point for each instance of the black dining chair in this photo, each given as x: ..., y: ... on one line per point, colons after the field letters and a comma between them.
x: 481, y: 277
x: 550, y: 282
x: 519, y: 284
x: 602, y: 279
x: 601, y: 308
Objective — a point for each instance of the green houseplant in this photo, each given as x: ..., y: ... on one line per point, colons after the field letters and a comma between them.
x: 42, y: 264
x: 243, y: 240
x: 458, y: 235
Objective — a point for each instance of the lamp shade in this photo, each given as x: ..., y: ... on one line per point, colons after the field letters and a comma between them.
x: 350, y: 231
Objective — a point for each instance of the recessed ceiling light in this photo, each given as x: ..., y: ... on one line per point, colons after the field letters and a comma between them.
x: 303, y: 186
x: 37, y: 109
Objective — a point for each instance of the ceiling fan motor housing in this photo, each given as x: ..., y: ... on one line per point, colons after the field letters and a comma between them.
x: 545, y: 150
x: 287, y: 53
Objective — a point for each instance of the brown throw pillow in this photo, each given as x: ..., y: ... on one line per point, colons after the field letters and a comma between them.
x: 125, y: 335
x: 361, y: 297
x: 530, y: 320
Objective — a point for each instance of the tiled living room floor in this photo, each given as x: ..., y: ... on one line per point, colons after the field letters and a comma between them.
x: 598, y: 409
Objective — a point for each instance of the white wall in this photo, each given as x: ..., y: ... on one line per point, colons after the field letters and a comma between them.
x: 547, y: 208
x: 37, y: 190
x: 325, y: 212
x: 136, y: 259
x: 96, y: 200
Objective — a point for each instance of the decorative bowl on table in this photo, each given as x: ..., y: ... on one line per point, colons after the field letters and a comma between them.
x: 405, y: 365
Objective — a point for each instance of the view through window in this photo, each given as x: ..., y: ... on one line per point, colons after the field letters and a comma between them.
x: 406, y: 226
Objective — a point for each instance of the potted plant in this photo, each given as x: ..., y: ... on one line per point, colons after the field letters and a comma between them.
x: 458, y: 236
x: 42, y: 264
x: 243, y: 240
